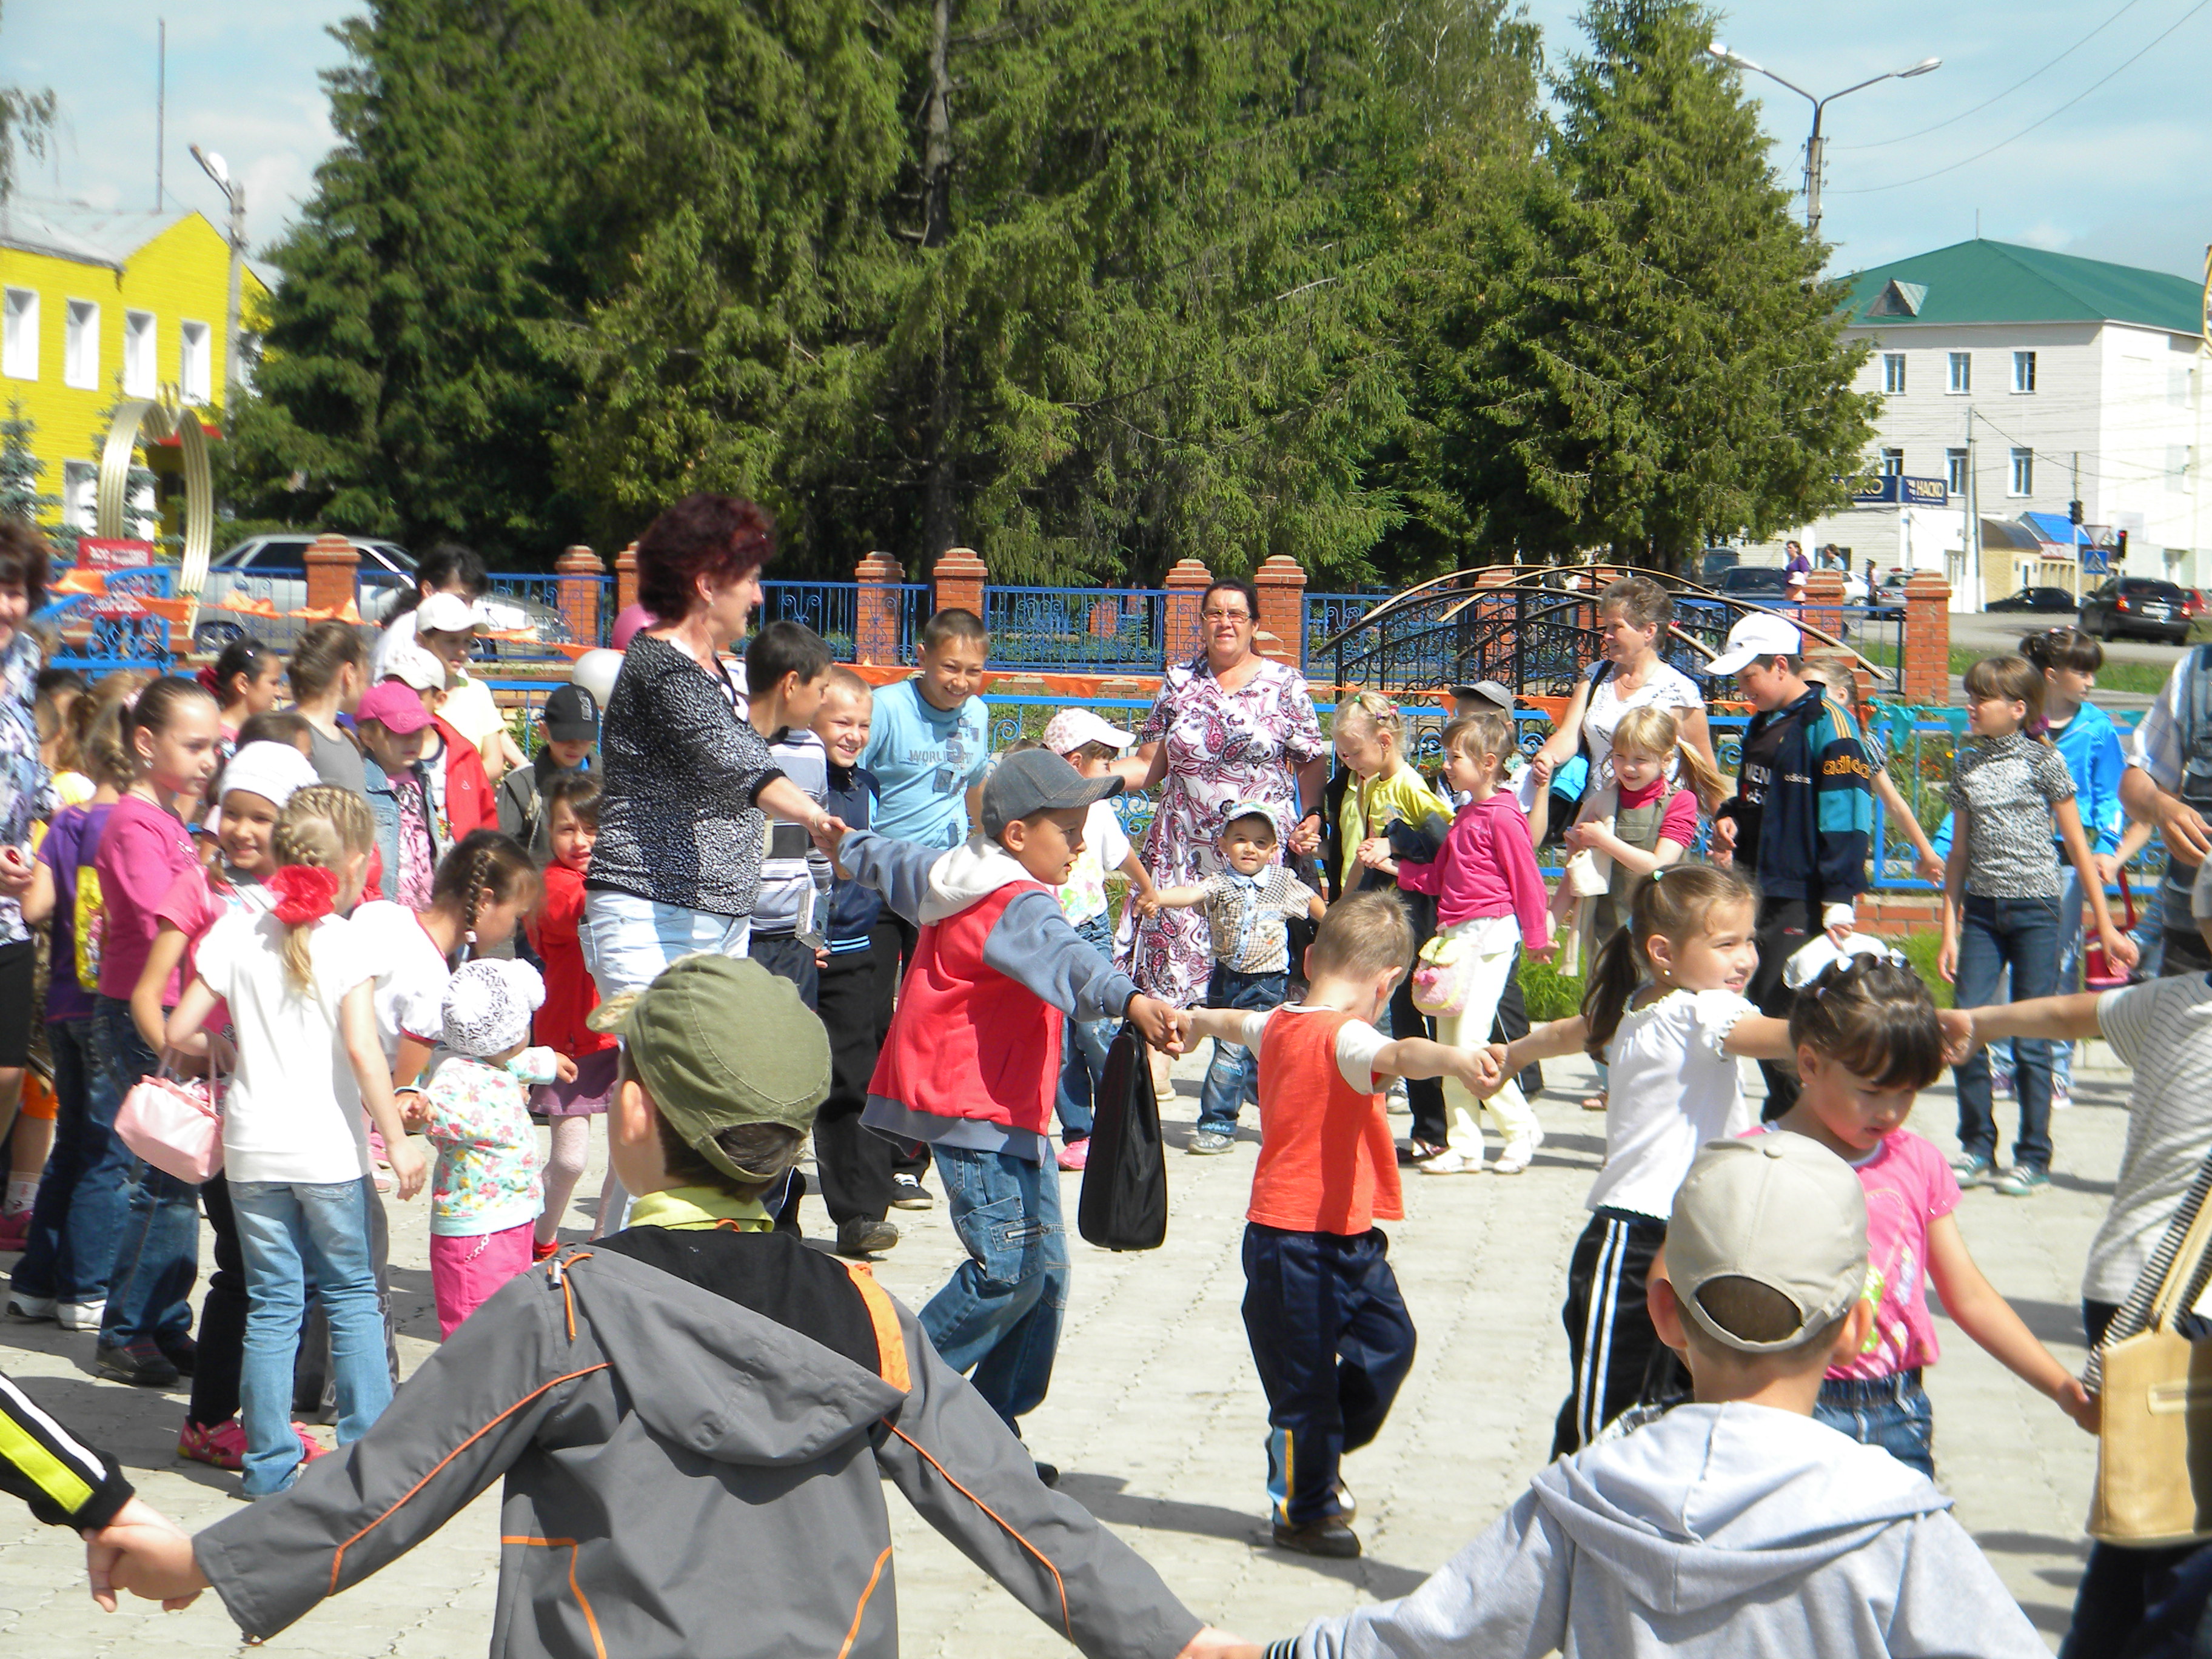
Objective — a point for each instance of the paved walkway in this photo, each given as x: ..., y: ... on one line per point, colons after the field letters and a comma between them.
x: 1158, y: 1420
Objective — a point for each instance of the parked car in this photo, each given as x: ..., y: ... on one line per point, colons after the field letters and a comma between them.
x: 2192, y: 602
x: 1714, y: 560
x: 2142, y: 606
x: 2033, y: 599
x: 1760, y: 584
x: 273, y: 567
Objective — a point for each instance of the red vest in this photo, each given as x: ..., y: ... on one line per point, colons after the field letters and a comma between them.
x: 966, y: 1042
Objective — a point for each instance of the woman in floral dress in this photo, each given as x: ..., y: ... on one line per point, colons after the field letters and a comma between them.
x: 1229, y: 725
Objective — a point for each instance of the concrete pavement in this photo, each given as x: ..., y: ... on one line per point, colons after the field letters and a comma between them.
x: 1158, y: 1420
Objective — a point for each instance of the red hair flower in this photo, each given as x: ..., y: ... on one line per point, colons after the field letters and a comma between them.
x: 305, y: 892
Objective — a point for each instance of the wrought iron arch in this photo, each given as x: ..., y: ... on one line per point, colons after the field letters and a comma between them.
x: 147, y: 419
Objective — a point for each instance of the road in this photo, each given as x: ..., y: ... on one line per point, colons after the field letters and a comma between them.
x: 1983, y: 634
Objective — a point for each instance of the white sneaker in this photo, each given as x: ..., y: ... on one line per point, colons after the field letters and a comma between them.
x: 1395, y: 1101
x: 80, y: 1315
x: 30, y: 1310
x: 1452, y: 1161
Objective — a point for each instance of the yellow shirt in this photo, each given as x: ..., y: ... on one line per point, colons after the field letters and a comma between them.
x: 1369, y: 807
x: 699, y: 1207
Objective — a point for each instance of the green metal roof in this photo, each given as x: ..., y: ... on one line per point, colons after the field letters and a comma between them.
x: 1985, y: 281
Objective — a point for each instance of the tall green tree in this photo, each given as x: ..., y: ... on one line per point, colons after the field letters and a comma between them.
x: 20, y: 469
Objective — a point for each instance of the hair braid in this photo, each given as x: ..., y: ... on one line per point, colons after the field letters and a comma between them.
x: 320, y: 827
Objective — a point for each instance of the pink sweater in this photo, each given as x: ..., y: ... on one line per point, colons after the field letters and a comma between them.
x: 1486, y: 868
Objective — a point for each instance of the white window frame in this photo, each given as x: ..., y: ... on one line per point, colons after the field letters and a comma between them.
x: 2023, y: 373
x: 80, y: 481
x: 1893, y: 373
x: 1955, y: 471
x: 142, y: 354
x: 1962, y: 372
x: 80, y: 346
x: 195, y: 362
x: 2021, y: 479
x: 19, y: 350
x: 1892, y: 463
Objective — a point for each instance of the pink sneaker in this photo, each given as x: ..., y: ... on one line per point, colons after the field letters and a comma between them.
x: 221, y: 1447
x: 1075, y: 1154
x: 310, y: 1448
x: 14, y: 1231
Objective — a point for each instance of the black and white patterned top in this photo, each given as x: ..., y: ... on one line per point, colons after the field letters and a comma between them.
x: 680, y: 771
x: 2009, y: 787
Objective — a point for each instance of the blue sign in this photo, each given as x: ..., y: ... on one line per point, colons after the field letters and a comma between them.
x: 1895, y: 489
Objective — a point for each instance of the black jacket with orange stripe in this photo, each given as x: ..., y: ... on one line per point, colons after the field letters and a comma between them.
x: 694, y: 1428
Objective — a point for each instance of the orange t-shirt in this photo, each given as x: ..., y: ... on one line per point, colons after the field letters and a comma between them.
x: 1328, y: 1161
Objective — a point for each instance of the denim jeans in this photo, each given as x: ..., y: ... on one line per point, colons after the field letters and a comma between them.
x: 1082, y: 1049
x: 998, y: 1316
x: 627, y: 940
x: 157, y: 1253
x: 1892, y: 1412
x: 81, y: 1202
x: 287, y: 1231
x: 1234, y: 1076
x: 2021, y: 934
x: 2070, y: 979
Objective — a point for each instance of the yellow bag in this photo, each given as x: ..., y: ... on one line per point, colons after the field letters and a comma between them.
x: 2154, y: 1443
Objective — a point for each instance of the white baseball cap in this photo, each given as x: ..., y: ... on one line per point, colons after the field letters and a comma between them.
x: 1780, y: 1210
x: 1072, y: 728
x: 447, y: 613
x: 1757, y: 634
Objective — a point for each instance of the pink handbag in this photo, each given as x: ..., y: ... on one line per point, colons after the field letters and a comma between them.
x: 173, y: 1123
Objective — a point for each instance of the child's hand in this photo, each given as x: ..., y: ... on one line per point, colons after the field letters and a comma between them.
x: 1148, y: 904
x: 143, y: 1551
x: 564, y: 1068
x: 1959, y: 1037
x: 1155, y: 1022
x: 413, y: 1112
x: 1928, y: 867
x: 2078, y: 1403
x: 407, y: 1167
x: 828, y: 832
x: 17, y: 868
x: 1947, y: 960
x: 2119, y: 948
x: 1580, y: 838
x: 1375, y: 852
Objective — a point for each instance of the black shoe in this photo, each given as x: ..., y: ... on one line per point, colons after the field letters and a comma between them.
x: 1329, y: 1537
x: 141, y: 1363
x: 182, y: 1351
x: 909, y: 1194
x: 861, y: 1236
x: 1048, y: 1474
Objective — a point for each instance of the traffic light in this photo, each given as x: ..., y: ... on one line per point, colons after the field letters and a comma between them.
x: 2073, y: 511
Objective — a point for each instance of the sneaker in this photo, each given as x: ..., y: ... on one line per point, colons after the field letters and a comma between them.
x: 15, y: 1232
x: 1395, y: 1101
x: 544, y: 1252
x: 310, y: 1448
x: 29, y: 1309
x: 861, y: 1236
x: 1973, y: 1168
x: 182, y: 1352
x: 81, y: 1316
x: 1048, y: 1473
x: 1450, y: 1161
x: 1209, y: 1143
x: 1075, y: 1154
x: 223, y: 1447
x: 1347, y: 1506
x: 2002, y: 1086
x: 139, y: 1363
x: 2021, y: 1182
x: 909, y: 1194
x: 1328, y: 1537
x: 2062, y: 1096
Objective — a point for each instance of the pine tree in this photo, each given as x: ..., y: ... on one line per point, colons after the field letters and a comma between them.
x: 20, y: 469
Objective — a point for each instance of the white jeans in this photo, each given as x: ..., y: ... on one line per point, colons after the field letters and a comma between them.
x: 627, y: 940
x: 1493, y: 939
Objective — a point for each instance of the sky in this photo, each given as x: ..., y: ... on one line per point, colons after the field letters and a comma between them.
x: 2111, y: 178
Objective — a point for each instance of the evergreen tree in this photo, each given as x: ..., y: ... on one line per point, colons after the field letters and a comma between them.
x: 19, y: 469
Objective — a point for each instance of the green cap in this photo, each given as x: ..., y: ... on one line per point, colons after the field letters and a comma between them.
x: 719, y: 1040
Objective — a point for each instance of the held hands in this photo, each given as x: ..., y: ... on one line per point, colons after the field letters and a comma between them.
x: 1491, y: 1073
x: 143, y: 1551
x: 1212, y: 1644
x: 1148, y: 903
x: 1929, y: 867
x: 17, y: 870
x: 407, y: 1167
x: 2185, y: 828
x: 2119, y: 948
x: 1375, y: 852
x: 1307, y: 835
x: 1960, y: 1039
x: 828, y: 832
x: 1159, y: 1024
x: 2107, y: 867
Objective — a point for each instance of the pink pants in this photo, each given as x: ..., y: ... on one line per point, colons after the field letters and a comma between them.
x: 464, y: 1270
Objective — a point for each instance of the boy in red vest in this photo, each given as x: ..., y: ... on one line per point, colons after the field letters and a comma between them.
x: 971, y: 1065
x: 1329, y: 1332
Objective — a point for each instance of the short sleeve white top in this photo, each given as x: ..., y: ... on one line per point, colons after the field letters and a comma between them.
x: 2163, y: 1029
x: 292, y: 1113
x: 410, y: 976
x: 1673, y: 1087
x: 1105, y: 849
x: 1357, y: 1043
x: 1663, y: 687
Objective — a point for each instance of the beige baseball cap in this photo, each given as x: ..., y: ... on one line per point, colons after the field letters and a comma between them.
x: 1780, y: 1210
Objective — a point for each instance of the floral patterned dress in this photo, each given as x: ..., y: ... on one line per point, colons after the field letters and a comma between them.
x: 1223, y: 746
x: 27, y: 792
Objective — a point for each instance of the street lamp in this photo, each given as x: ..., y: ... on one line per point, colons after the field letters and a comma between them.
x: 1812, y: 145
x: 234, y: 193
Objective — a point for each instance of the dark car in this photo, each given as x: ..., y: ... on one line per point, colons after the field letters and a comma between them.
x: 1761, y: 584
x: 2142, y: 606
x: 2035, y: 599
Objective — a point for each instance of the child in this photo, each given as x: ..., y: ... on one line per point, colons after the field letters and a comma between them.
x: 2009, y: 786
x: 445, y: 627
x: 571, y: 804
x: 1733, y: 1524
x: 786, y: 663
x: 697, y: 1388
x: 393, y: 726
x: 297, y: 990
x: 246, y: 680
x: 1089, y: 744
x: 970, y: 1064
x: 330, y: 673
x: 1489, y: 899
x: 927, y: 743
x: 1246, y: 902
x: 1868, y: 1040
x: 569, y: 718
x: 486, y: 1194
x: 1329, y: 1331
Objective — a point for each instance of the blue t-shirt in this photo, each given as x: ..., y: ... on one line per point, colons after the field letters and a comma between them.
x: 925, y: 759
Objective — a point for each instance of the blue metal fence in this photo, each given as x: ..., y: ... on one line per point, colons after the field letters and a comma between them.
x: 104, y: 636
x: 1077, y: 628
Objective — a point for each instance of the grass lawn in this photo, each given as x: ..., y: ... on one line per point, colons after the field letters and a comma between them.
x: 1551, y: 994
x: 2147, y: 677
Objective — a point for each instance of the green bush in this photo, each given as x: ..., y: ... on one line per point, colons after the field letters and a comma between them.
x: 1550, y: 994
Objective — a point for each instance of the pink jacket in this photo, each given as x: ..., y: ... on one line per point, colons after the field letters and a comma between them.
x: 1486, y: 868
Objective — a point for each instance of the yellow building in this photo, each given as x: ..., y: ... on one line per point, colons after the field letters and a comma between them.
x: 94, y: 305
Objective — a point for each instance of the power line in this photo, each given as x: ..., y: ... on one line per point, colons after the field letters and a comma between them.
x: 1875, y: 190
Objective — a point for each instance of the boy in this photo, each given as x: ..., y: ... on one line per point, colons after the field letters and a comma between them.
x: 569, y: 720
x: 1734, y: 1524
x: 973, y: 1056
x: 1329, y: 1332
x: 784, y: 663
x: 693, y: 1404
x: 394, y: 725
x: 1246, y: 902
x: 446, y: 626
x: 1802, y: 820
x: 854, y: 1164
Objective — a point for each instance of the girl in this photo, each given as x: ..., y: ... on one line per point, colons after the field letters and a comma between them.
x: 1490, y: 898
x: 1867, y: 1040
x: 2001, y: 903
x: 298, y: 988
x: 246, y: 680
x: 329, y: 670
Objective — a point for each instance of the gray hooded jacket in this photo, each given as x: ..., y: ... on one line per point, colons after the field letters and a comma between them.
x: 1717, y: 1530
x: 690, y: 1473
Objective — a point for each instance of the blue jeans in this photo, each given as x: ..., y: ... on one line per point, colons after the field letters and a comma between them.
x: 85, y: 1195
x: 1994, y: 935
x: 627, y: 940
x: 2069, y: 978
x: 1892, y: 1412
x: 287, y: 1231
x: 998, y: 1316
x: 157, y: 1253
x: 1082, y: 1049
x: 1234, y: 1076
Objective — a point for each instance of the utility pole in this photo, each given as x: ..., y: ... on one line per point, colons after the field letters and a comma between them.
x: 232, y: 358
x: 2075, y: 515
x: 1813, y: 166
x: 161, y: 111
x: 1973, y: 583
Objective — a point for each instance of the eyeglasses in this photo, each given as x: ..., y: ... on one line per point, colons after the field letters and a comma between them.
x: 1225, y: 615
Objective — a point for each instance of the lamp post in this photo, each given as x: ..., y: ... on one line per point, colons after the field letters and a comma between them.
x: 233, y: 192
x: 1812, y: 145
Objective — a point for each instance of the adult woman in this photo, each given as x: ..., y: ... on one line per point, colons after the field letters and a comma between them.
x: 448, y: 567
x: 686, y: 778
x: 1633, y: 615
x: 1228, y: 727
x: 26, y: 793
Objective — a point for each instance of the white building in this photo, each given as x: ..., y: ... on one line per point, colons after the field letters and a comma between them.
x: 2020, y: 381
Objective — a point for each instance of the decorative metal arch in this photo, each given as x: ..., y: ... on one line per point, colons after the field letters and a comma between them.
x: 148, y: 420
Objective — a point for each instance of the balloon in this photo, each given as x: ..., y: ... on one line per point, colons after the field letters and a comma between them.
x: 595, y: 671
x: 633, y: 618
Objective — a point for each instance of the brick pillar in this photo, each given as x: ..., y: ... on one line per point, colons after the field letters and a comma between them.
x: 958, y: 579
x: 876, y: 609
x: 1927, y: 676
x: 1183, y: 636
x: 1282, y: 632
x: 333, y: 566
x: 580, y: 570
x: 625, y: 579
x: 1823, y: 602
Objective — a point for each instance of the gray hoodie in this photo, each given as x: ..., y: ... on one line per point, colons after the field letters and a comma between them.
x: 694, y: 1462
x: 1719, y: 1530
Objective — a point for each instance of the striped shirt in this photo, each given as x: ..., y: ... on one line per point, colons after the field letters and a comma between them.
x: 2134, y: 1316
x: 65, y: 1482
